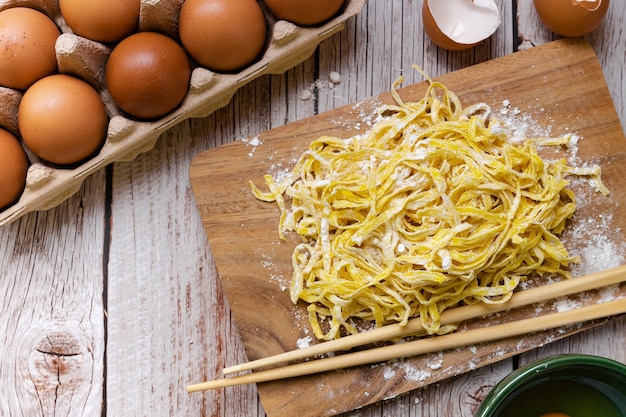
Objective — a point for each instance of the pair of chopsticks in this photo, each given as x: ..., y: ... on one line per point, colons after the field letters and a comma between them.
x: 435, y: 343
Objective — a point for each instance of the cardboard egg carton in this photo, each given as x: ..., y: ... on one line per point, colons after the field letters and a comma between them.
x: 48, y: 185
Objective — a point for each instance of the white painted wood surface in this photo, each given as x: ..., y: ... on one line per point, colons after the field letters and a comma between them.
x: 110, y: 303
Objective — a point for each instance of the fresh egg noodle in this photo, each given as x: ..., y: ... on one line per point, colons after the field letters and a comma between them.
x: 432, y: 208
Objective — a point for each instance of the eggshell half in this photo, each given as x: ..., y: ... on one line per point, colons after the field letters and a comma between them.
x: 459, y: 24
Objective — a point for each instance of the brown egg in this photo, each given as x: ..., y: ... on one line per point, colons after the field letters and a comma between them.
x: 148, y: 75
x: 13, y: 168
x: 62, y: 119
x: 223, y: 35
x: 27, y: 54
x: 571, y: 18
x: 101, y: 20
x: 304, y: 12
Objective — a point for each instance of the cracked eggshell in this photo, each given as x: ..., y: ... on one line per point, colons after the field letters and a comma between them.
x: 571, y: 18
x: 460, y: 24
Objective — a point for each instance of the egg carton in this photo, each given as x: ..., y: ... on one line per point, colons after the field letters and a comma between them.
x: 48, y: 186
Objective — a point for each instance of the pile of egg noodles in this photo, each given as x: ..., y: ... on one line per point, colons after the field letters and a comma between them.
x: 432, y: 208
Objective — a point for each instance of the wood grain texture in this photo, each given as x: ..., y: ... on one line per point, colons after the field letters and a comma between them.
x: 52, y: 310
x: 255, y: 266
x: 131, y: 244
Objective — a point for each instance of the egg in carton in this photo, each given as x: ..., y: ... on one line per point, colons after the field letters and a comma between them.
x: 48, y: 185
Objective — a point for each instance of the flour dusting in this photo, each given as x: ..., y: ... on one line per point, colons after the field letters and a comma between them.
x: 252, y: 143
x: 304, y: 342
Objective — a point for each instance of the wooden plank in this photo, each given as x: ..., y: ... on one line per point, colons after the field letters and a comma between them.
x: 166, y: 311
x: 242, y: 231
x: 52, y: 310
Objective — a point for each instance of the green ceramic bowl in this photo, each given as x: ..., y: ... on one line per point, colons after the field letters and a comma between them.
x: 567, y: 385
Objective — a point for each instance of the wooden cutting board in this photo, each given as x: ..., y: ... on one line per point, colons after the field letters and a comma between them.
x: 556, y: 88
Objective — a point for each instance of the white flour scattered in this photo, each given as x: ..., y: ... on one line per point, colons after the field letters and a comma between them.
x: 610, y: 293
x: 275, y: 276
x: 519, y: 125
x: 539, y: 308
x: 411, y: 373
x: 279, y: 171
x: 601, y: 253
x: 599, y: 245
x: 252, y: 143
x: 566, y: 304
x: 282, y: 285
x: 436, y: 363
x: 304, y: 342
x: 362, y: 118
x: 389, y: 373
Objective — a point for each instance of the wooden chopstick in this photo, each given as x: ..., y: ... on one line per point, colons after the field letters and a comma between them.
x: 456, y: 315
x: 453, y: 340
x: 425, y: 345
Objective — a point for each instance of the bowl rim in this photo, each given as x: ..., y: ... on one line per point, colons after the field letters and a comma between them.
x: 520, y: 375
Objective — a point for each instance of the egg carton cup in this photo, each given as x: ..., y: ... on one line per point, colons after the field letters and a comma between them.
x: 48, y: 186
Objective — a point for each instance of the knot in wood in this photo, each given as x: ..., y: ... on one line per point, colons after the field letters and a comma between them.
x: 59, y: 357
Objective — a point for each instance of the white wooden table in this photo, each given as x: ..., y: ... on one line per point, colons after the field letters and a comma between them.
x: 110, y: 303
